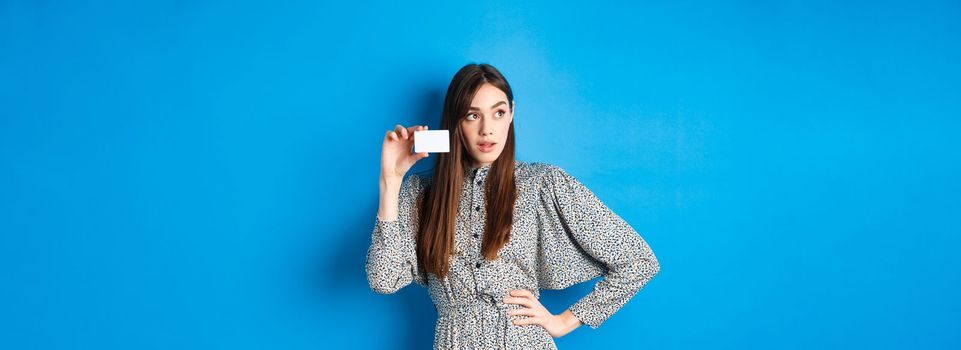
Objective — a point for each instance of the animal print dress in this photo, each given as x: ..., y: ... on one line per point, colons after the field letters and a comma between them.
x: 562, y: 235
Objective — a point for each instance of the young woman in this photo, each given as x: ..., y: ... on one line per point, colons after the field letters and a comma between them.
x: 485, y: 232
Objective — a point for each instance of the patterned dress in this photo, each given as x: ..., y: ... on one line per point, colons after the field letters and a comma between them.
x: 562, y: 235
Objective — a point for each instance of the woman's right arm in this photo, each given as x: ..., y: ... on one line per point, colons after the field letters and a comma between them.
x: 392, y: 259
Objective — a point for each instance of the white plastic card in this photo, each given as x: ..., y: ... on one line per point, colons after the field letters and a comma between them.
x: 431, y: 141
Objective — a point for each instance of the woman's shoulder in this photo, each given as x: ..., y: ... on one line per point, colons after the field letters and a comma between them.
x: 535, y: 171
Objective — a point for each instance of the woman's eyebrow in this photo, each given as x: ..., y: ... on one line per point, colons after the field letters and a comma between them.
x: 492, y: 107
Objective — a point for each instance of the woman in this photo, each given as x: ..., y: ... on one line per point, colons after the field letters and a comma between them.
x: 485, y: 233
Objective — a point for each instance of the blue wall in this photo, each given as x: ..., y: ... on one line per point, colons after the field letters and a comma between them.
x: 201, y: 175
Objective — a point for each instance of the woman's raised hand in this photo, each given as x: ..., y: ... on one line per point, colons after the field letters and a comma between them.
x: 396, y: 155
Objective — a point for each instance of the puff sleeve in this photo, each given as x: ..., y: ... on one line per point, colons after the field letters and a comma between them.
x: 584, y: 239
x: 392, y: 259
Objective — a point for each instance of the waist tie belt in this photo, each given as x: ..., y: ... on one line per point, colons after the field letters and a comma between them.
x: 485, y: 318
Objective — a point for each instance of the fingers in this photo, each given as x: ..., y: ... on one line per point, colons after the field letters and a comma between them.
x: 522, y: 312
x: 521, y: 297
x: 401, y: 131
x: 522, y: 293
x: 527, y: 321
x: 411, y: 130
x: 532, y: 308
x: 519, y: 301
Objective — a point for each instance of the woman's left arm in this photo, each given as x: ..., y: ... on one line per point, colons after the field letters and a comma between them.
x: 628, y: 261
x: 594, y: 241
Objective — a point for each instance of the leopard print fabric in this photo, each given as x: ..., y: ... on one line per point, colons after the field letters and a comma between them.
x: 562, y: 235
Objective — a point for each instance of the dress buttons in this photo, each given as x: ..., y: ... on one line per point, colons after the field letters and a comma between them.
x: 476, y: 235
x: 477, y: 208
x: 477, y: 265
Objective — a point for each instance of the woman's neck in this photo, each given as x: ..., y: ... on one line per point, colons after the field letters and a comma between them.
x: 479, y: 165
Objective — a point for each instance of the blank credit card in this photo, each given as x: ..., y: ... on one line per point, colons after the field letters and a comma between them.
x: 431, y: 141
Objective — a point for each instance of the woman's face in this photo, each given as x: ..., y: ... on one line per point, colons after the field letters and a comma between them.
x: 485, y: 126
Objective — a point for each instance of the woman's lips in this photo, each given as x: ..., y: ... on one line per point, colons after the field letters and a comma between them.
x: 486, y: 147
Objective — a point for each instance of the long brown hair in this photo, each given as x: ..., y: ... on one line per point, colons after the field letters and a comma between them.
x: 438, y: 213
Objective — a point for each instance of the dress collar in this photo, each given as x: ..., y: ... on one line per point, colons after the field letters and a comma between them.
x: 480, y: 173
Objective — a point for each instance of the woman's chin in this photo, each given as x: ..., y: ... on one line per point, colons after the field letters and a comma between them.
x: 486, y: 158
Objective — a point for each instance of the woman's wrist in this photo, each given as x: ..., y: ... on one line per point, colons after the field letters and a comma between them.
x: 390, y: 179
x: 569, y: 321
x: 389, y: 192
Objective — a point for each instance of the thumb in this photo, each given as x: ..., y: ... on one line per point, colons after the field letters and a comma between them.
x: 422, y: 155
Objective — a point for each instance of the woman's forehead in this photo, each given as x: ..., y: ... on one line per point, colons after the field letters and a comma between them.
x: 487, y: 95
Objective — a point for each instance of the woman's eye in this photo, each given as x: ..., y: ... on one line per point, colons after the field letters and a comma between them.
x: 500, y: 113
x: 471, y: 116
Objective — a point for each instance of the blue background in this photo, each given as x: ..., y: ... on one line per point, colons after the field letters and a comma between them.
x: 203, y: 175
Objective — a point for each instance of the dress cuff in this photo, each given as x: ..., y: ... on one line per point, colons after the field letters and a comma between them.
x: 390, y: 234
x: 588, y: 314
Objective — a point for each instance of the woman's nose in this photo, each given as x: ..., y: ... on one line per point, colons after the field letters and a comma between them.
x: 484, y: 130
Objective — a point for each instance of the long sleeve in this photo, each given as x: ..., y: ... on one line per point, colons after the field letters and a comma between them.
x: 587, y: 238
x: 392, y: 259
